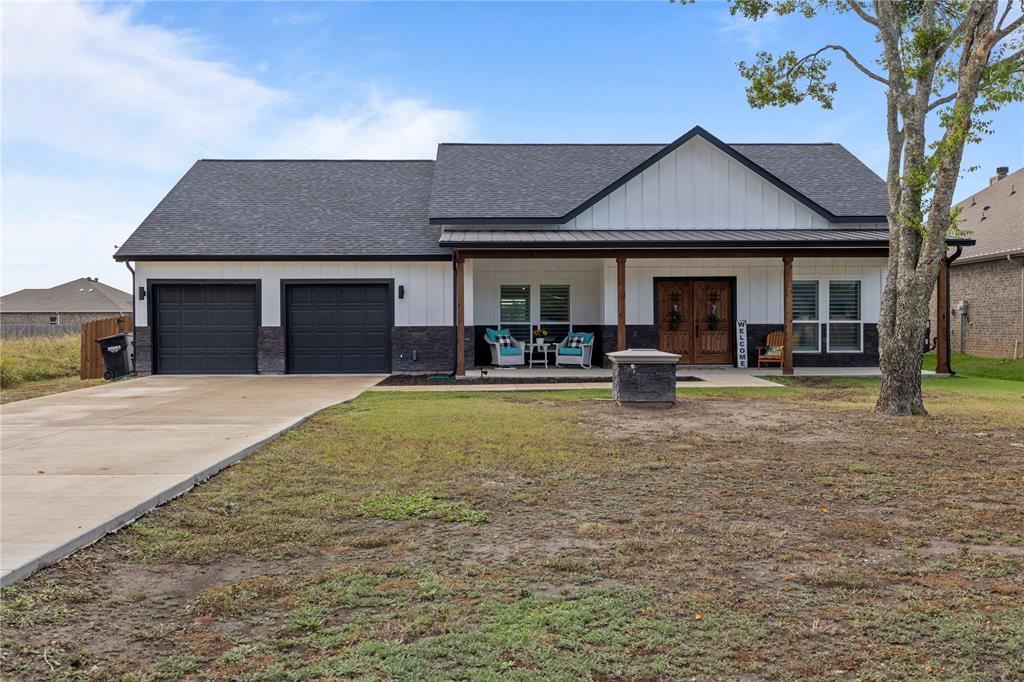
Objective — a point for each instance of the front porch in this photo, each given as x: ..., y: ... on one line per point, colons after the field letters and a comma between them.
x: 714, y: 307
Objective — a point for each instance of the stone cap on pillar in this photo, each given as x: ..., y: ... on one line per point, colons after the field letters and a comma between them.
x: 642, y: 356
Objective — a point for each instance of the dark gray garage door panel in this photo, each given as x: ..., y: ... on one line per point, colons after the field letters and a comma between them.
x: 339, y: 328
x: 205, y: 328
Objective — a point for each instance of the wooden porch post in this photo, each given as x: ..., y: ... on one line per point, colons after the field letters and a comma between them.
x: 787, y: 314
x: 620, y: 265
x: 942, y: 318
x: 460, y: 316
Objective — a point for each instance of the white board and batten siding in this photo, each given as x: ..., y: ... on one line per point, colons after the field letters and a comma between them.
x: 697, y: 186
x: 428, y: 284
x: 758, y: 284
x: 582, y: 275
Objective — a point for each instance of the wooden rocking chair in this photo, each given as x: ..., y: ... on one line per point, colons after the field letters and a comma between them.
x: 773, y: 351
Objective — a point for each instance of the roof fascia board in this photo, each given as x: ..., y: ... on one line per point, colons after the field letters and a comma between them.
x: 325, y: 257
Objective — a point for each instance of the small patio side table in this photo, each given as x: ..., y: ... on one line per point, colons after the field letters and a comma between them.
x: 544, y: 348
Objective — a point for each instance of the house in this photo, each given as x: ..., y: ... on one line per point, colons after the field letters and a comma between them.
x: 399, y: 266
x: 986, y: 283
x: 69, y: 304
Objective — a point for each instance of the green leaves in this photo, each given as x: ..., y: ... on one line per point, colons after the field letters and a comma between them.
x: 787, y: 79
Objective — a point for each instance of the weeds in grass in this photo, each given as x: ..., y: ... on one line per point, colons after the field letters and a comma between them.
x: 37, y: 358
x: 419, y: 506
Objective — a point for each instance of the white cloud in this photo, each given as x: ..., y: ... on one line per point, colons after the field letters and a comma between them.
x: 401, y: 128
x: 83, y: 81
x: 752, y: 35
x: 136, y: 104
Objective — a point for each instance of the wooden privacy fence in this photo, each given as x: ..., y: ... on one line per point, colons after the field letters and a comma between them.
x: 92, y: 359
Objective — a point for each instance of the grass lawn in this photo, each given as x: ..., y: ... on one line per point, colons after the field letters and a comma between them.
x: 35, y: 366
x: 779, y: 534
x: 976, y: 366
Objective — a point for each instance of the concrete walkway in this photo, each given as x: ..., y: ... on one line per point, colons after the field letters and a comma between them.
x: 77, y: 465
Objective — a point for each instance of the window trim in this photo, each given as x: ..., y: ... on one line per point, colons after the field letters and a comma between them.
x: 859, y: 322
x: 540, y: 320
x: 529, y: 302
x: 817, y: 322
x: 534, y: 284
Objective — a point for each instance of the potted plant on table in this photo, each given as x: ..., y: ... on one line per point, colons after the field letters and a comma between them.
x: 540, y: 335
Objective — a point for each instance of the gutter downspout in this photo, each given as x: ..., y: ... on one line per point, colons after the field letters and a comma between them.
x: 134, y: 293
x: 949, y: 335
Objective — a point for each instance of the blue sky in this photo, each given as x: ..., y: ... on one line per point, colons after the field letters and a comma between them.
x: 106, y: 105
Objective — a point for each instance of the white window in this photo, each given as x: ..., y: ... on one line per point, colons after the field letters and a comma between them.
x: 806, y: 316
x: 523, y: 307
x: 554, y: 310
x: 845, y: 326
x: 514, y: 310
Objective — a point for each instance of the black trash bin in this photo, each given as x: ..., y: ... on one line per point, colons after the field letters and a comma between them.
x: 118, y: 354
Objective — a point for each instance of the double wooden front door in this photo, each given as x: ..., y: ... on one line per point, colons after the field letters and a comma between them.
x: 695, y: 320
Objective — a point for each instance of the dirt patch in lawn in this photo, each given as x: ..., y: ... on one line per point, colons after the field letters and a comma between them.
x: 733, y: 536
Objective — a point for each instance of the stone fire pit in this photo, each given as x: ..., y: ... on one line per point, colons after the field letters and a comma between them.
x: 644, y: 377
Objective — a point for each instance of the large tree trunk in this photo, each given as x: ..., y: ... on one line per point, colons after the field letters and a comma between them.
x: 917, y: 229
x: 900, y: 351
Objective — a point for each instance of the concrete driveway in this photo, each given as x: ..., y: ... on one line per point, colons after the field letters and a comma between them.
x: 77, y: 465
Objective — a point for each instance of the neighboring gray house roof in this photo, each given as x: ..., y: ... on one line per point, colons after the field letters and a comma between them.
x: 282, y: 209
x: 84, y: 295
x: 994, y: 217
x: 551, y: 183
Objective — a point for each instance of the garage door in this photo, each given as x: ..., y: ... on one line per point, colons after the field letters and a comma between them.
x: 205, y: 328
x: 338, y: 328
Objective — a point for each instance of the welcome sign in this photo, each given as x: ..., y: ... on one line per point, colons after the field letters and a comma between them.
x: 741, y: 343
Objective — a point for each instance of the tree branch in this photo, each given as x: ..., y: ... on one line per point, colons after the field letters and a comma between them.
x: 849, y: 56
x: 1010, y: 28
x: 1009, y: 6
x: 942, y: 100
x: 1015, y: 57
x: 856, y: 7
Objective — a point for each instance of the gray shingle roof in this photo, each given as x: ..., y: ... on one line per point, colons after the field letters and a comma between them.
x: 995, y: 218
x: 253, y: 209
x: 366, y: 209
x: 83, y: 295
x: 549, y: 181
x: 526, y: 180
x: 827, y: 174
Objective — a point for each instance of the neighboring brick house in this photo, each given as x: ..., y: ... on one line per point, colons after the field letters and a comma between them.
x: 69, y: 304
x: 987, y: 281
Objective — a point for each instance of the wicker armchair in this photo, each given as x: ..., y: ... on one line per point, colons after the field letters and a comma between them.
x: 505, y: 356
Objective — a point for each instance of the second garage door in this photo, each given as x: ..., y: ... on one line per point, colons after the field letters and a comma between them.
x: 338, y: 328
